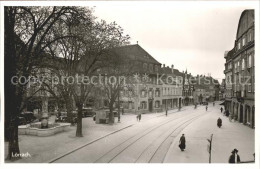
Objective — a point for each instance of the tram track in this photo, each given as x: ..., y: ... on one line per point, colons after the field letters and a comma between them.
x: 115, y: 151
x: 119, y: 149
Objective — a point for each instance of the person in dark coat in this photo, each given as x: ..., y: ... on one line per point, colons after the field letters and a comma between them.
x: 140, y: 116
x: 219, y: 122
x: 221, y: 109
x: 206, y: 108
x: 182, y: 143
x: 227, y: 113
x: 234, y: 157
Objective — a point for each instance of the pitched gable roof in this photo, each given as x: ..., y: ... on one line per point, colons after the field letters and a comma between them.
x: 136, y: 52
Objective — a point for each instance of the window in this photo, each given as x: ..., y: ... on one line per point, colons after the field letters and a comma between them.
x: 143, y: 105
x: 244, y: 41
x: 143, y: 93
x: 243, y: 64
x: 157, y: 104
x: 235, y: 67
x: 249, y: 63
x: 157, y: 93
x: 238, y: 46
x: 249, y: 37
x: 150, y: 93
x: 249, y: 87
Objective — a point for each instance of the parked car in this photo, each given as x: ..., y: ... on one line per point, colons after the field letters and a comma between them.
x: 28, y: 116
x: 22, y: 121
x: 88, y: 112
x: 62, y: 117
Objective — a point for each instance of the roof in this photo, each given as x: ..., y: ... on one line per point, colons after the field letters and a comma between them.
x: 230, y: 54
x: 136, y: 52
x: 249, y: 22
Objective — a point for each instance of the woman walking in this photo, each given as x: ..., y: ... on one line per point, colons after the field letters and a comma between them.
x: 182, y: 143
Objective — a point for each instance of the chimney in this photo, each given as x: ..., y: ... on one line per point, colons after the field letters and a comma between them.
x: 163, y: 65
x: 172, y: 68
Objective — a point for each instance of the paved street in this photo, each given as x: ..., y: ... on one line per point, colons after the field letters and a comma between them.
x: 156, y: 140
x: 43, y: 149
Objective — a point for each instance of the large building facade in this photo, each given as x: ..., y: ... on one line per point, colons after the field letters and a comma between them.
x: 240, y: 72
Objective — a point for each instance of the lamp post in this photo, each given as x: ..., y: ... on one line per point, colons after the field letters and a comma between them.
x: 210, y: 147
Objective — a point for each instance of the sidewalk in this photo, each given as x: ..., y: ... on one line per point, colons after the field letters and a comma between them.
x: 231, y: 135
x: 44, y: 149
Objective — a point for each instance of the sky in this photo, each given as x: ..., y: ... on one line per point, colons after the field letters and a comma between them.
x: 188, y: 35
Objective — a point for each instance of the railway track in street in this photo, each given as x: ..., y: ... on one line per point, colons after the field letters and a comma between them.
x: 153, y: 140
x: 149, y: 154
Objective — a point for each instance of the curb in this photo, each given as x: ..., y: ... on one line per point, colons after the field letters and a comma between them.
x: 71, y: 151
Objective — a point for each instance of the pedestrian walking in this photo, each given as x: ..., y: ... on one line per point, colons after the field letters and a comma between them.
x: 219, y: 122
x: 234, y: 157
x: 206, y: 108
x: 182, y: 143
x: 221, y: 109
x: 140, y: 116
x: 166, y: 112
x: 213, y: 103
x: 137, y: 114
x: 227, y: 113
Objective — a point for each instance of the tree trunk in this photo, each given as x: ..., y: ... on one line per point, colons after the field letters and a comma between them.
x: 111, y: 114
x: 79, y: 120
x: 68, y: 102
x: 13, y: 96
x: 13, y: 140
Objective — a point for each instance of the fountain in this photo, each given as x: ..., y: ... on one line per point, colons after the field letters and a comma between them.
x: 46, y: 127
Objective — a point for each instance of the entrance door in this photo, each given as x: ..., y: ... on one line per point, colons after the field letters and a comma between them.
x: 150, y: 105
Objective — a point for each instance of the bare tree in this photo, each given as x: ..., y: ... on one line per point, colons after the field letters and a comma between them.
x: 83, y: 53
x: 27, y: 35
x: 117, y: 71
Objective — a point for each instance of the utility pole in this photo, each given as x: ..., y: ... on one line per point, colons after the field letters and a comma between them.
x: 210, y: 147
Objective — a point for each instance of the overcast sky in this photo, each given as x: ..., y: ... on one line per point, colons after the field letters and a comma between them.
x: 187, y: 35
